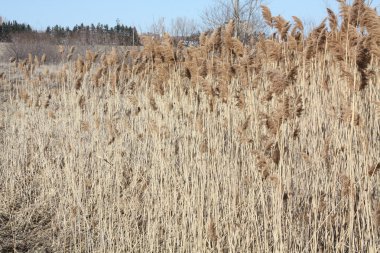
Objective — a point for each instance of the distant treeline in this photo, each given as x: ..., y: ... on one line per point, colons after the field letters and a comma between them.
x: 99, y: 34
x: 11, y: 27
x: 79, y: 34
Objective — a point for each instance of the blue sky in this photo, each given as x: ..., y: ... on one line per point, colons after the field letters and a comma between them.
x: 141, y: 13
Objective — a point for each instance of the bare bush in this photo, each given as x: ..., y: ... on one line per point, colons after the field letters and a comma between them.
x: 35, y: 44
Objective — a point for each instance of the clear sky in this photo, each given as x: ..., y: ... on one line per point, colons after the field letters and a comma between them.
x: 141, y: 13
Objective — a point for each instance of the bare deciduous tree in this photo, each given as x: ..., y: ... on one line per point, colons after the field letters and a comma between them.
x: 27, y: 43
x: 158, y: 27
x: 182, y: 27
x: 245, y: 13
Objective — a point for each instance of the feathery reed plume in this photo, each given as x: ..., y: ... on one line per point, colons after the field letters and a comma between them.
x: 363, y: 58
x: 167, y: 49
x: 240, y: 99
x: 271, y: 123
x: 271, y: 49
x: 72, y: 49
x: 292, y: 75
x: 153, y: 103
x: 333, y: 20
x: 61, y: 49
x: 43, y: 58
x: 279, y: 83
x: 30, y: 58
x: 202, y: 39
x: 316, y: 40
x: 370, y: 19
x: 245, y: 125
x: 356, y: 12
x: 347, y: 186
x: 227, y: 38
x: 47, y: 102
x: 267, y: 15
x: 89, y: 56
x: 82, y: 102
x: 78, y: 82
x: 275, y: 153
x: 298, y: 23
x: 282, y: 26
x: 79, y: 65
x: 211, y: 232
x: 36, y: 61
x: 186, y: 73
x: 296, y: 108
x: 203, y: 146
x: 112, y: 58
x: 215, y: 41
x: 114, y: 80
x: 262, y: 163
x: 237, y: 47
x: 336, y: 49
x: 344, y: 13
x: 202, y: 70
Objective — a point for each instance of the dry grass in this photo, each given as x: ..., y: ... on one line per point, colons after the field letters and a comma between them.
x: 221, y: 147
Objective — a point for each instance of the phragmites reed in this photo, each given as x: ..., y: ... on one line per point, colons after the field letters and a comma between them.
x: 282, y: 26
x: 240, y: 98
x: 344, y: 13
x: 30, y: 59
x: 269, y: 145
x: 72, y: 49
x: 211, y: 232
x: 43, y: 58
x: 370, y: 19
x: 267, y: 16
x: 298, y: 23
x: 112, y: 58
x: 79, y: 65
x: 316, y: 40
x: 333, y: 20
x: 336, y: 49
x: 363, y: 58
x: 279, y: 82
x: 203, y: 39
x: 374, y: 169
x: 36, y: 61
x: 348, y: 116
x: 275, y: 153
x: 214, y: 43
x: 356, y: 12
x: 78, y: 82
x: 167, y: 49
x: 61, y: 49
x: 227, y: 38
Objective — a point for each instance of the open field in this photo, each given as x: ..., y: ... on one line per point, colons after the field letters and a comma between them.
x: 224, y: 147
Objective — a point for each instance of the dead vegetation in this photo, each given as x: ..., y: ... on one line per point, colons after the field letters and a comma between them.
x: 221, y: 147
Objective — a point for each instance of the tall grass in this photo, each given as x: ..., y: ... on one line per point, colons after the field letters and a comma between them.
x: 223, y: 147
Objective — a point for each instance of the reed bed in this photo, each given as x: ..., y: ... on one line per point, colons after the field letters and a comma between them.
x: 224, y: 147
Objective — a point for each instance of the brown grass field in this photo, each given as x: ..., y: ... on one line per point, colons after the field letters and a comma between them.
x: 268, y: 147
